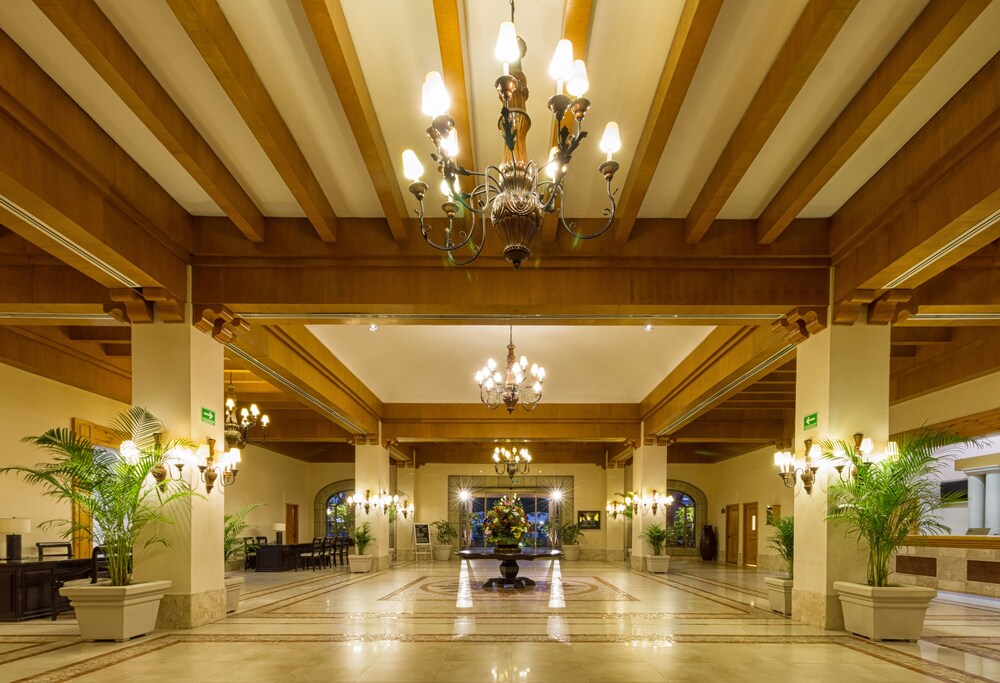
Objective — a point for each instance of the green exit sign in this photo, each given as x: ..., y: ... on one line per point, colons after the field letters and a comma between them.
x: 208, y: 416
x: 810, y: 421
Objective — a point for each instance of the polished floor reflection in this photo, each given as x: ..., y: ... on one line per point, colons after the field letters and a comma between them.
x: 585, y: 621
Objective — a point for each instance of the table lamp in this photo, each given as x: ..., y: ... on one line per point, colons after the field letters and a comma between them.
x: 279, y: 536
x: 14, y: 527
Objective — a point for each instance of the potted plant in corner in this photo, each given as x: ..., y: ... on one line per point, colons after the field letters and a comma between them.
x: 782, y: 541
x: 883, y: 502
x: 234, y: 550
x: 122, y: 492
x: 657, y: 535
x: 363, y: 537
x: 444, y: 534
x: 569, y: 539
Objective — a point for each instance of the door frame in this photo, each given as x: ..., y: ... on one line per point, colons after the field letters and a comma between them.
x: 736, y: 560
x: 745, y: 530
x: 291, y: 523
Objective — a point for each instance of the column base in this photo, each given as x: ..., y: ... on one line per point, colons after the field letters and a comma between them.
x: 190, y: 610
x: 638, y: 563
x: 820, y: 610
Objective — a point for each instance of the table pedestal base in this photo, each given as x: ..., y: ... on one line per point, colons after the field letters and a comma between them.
x: 508, y: 577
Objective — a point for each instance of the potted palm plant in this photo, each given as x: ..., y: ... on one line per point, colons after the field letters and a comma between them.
x: 569, y: 539
x: 363, y: 537
x: 234, y: 551
x: 782, y: 541
x: 657, y: 535
x: 444, y: 534
x: 882, y: 503
x: 123, y: 492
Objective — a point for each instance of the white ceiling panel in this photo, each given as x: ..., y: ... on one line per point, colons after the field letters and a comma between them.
x: 280, y: 43
x: 747, y: 37
x: 971, y: 51
x: 866, y: 38
x: 160, y: 41
x: 438, y: 363
x: 31, y: 29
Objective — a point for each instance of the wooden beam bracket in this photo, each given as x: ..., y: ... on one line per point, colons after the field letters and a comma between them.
x: 891, y: 307
x: 128, y: 306
x: 224, y: 325
x: 800, y: 323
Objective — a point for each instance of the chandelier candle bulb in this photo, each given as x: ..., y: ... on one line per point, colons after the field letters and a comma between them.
x: 611, y: 141
x: 507, y: 49
x: 435, y: 100
x: 561, y: 66
x: 412, y: 168
x: 578, y: 84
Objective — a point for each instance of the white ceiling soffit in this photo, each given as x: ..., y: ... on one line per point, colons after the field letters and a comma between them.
x: 281, y: 46
x: 45, y: 44
x: 744, y: 43
x: 966, y: 57
x: 438, y: 363
x: 160, y: 41
x: 869, y: 34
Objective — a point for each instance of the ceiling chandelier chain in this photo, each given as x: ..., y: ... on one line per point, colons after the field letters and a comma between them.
x: 510, y: 193
x: 239, y: 422
x: 517, y: 384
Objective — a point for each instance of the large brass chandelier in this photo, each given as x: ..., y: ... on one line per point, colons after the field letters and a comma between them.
x: 517, y: 384
x: 510, y: 193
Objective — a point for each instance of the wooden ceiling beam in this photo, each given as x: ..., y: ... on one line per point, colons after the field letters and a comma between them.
x: 818, y: 25
x: 302, y: 425
x: 542, y: 459
x: 924, y: 43
x: 706, y: 430
x: 61, y: 169
x: 697, y: 20
x: 100, y: 334
x: 447, y: 18
x: 48, y: 289
x: 209, y: 30
x: 921, y: 336
x: 322, y: 452
x: 329, y: 27
x: 962, y: 289
x: 97, y: 40
x: 898, y: 230
x: 972, y: 353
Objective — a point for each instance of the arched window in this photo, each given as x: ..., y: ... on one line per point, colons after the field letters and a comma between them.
x: 681, y: 520
x: 339, y: 515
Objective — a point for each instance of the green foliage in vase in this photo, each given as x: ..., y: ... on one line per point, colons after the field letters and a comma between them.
x: 444, y: 532
x: 887, y: 500
x: 232, y: 534
x: 657, y: 535
x: 570, y: 534
x: 363, y: 537
x: 783, y: 541
x: 114, y: 489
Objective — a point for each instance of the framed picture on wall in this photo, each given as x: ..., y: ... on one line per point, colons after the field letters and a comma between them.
x: 588, y: 519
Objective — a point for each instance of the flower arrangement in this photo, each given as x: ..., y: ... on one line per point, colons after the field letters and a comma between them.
x: 506, y: 523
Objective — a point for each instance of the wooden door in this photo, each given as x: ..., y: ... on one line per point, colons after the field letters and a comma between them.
x: 291, y: 523
x: 750, y: 524
x: 82, y: 540
x: 732, y: 533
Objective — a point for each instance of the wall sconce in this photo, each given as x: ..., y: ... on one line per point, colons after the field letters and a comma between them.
x: 629, y: 502
x: 791, y: 469
x: 368, y: 502
x: 405, y: 508
x: 656, y: 501
x: 222, y: 467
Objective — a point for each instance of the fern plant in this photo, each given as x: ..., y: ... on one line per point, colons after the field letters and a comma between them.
x: 883, y: 502
x: 115, y: 489
x: 783, y: 541
x: 232, y: 535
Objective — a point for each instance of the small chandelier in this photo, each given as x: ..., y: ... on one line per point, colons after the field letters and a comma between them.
x: 239, y: 422
x: 510, y: 193
x: 513, y: 387
x: 511, y: 463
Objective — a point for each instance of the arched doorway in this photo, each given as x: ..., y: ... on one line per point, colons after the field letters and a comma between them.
x: 331, y: 513
x: 686, y: 516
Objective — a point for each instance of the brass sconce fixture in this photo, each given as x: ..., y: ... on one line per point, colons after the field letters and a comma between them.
x: 805, y: 470
x: 627, y: 505
x: 655, y: 502
x: 222, y: 467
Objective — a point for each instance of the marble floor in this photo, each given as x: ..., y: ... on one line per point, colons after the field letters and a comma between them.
x: 584, y: 621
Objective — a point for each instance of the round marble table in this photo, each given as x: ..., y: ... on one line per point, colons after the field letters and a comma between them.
x: 508, y: 565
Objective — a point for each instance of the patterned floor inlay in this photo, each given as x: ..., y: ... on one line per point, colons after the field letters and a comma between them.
x: 981, y: 646
x: 21, y: 647
x: 578, y: 588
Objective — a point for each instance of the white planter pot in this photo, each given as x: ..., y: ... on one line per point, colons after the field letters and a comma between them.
x: 106, y: 612
x: 889, y: 613
x: 657, y: 564
x: 571, y: 553
x: 234, y: 586
x: 442, y: 553
x: 360, y: 564
x: 779, y: 594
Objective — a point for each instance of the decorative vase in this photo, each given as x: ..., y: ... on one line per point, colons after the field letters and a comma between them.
x: 708, y: 543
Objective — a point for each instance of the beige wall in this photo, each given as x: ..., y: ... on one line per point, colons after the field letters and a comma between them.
x: 29, y: 406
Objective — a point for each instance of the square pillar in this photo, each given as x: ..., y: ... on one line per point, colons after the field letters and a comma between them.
x: 371, y: 472
x: 842, y: 375
x: 176, y: 371
x: 614, y: 529
x: 649, y: 472
x: 405, y: 482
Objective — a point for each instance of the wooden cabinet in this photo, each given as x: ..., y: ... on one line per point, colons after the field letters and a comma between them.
x: 26, y: 586
x: 280, y: 558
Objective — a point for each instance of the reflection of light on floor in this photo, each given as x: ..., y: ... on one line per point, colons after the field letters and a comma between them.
x: 556, y: 629
x: 506, y: 676
x: 464, y: 587
x: 556, y: 597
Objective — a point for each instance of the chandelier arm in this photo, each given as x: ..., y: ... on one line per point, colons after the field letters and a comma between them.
x: 609, y: 212
x: 448, y: 246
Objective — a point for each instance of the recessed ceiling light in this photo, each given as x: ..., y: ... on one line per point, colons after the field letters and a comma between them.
x: 373, y: 328
x: 648, y: 327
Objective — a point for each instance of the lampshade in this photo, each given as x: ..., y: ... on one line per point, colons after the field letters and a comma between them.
x: 15, y: 525
x: 277, y: 526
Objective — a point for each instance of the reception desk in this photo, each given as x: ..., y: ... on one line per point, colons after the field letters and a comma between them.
x: 963, y: 564
x: 26, y: 586
x: 272, y: 557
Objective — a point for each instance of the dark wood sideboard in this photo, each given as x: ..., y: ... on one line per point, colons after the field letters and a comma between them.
x: 26, y: 586
x: 272, y: 557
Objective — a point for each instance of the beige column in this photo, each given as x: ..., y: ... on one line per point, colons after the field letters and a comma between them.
x: 405, y: 483
x: 842, y: 375
x: 649, y: 472
x: 177, y: 371
x: 614, y: 529
x: 371, y: 473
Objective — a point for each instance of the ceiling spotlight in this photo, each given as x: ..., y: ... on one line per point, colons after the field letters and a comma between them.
x: 373, y: 328
x: 648, y: 327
